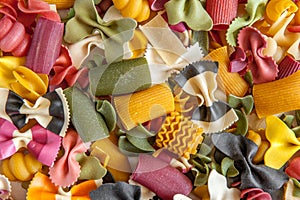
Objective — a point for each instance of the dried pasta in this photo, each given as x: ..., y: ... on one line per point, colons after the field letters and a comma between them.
x: 21, y: 166
x: 179, y: 135
x: 137, y: 9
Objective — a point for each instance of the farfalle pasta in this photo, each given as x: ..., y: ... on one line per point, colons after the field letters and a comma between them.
x: 41, y: 187
x: 149, y: 99
x: 38, y: 141
x: 66, y: 74
x: 51, y: 110
x: 67, y: 165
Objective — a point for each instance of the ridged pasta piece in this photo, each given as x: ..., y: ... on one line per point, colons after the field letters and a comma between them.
x: 13, y: 37
x: 179, y: 135
x: 143, y: 106
x: 232, y: 83
x: 20, y: 167
x: 61, y: 4
x: 270, y: 101
x: 136, y: 9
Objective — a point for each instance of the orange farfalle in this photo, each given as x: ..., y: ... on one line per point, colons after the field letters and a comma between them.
x: 41, y: 188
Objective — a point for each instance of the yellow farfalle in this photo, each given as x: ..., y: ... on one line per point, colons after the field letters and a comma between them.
x: 275, y: 8
x: 136, y: 9
x: 20, y: 167
x: 143, y: 106
x: 231, y: 83
x: 275, y: 97
x: 179, y: 135
x: 61, y: 4
x: 22, y: 80
x: 284, y: 143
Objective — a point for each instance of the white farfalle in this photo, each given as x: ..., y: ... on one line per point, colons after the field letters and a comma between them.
x: 166, y: 53
x: 218, y: 190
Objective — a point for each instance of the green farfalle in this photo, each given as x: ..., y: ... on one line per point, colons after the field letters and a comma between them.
x: 246, y: 103
x: 108, y: 113
x: 135, y: 141
x: 90, y: 166
x: 227, y: 168
x: 128, y: 148
x: 200, y: 178
x: 255, y: 10
x: 201, y: 161
x: 242, y: 107
x: 86, y: 22
x: 189, y: 11
x: 89, y: 124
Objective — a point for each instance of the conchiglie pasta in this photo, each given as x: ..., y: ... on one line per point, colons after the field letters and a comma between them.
x: 137, y: 9
x: 20, y: 167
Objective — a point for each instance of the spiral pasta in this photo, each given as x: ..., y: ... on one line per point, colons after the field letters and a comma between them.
x: 20, y: 167
x: 13, y: 37
x: 136, y: 9
x: 179, y: 135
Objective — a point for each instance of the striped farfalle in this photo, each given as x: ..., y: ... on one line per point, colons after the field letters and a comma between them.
x: 179, y: 135
x: 136, y: 9
x: 184, y: 103
x: 20, y: 167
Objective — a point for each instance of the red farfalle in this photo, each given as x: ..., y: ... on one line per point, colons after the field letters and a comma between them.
x: 32, y: 8
x: 66, y: 169
x: 251, y: 43
x: 66, y: 74
x: 255, y: 193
